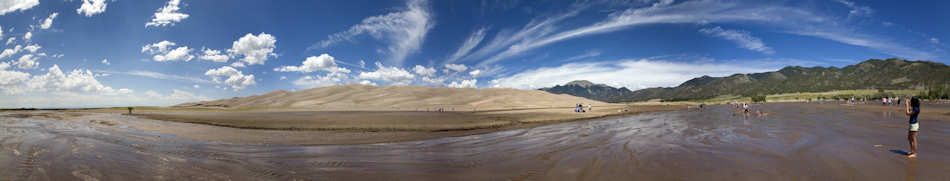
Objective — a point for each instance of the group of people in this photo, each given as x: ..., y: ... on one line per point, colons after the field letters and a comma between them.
x: 579, y: 108
x: 890, y: 101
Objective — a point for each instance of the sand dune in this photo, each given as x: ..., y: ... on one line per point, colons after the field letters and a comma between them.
x: 356, y: 97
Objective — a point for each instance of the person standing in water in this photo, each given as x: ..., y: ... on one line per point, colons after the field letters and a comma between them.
x: 913, y: 110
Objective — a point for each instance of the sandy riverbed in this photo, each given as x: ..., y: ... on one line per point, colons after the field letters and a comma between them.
x: 791, y: 142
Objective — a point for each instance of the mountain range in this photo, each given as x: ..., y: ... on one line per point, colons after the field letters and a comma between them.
x: 870, y: 74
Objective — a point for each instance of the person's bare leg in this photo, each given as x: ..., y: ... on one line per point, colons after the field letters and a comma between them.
x: 912, y: 138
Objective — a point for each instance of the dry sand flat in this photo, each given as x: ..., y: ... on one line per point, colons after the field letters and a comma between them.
x: 793, y: 142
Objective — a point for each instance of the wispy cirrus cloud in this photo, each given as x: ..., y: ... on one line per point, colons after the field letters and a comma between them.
x: 157, y: 75
x: 405, y: 30
x: 773, y: 17
x: 743, y: 38
x: 469, y: 44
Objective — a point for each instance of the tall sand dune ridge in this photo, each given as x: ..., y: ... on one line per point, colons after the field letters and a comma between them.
x: 357, y: 97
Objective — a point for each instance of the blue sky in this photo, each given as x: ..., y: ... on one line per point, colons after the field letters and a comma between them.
x: 89, y: 53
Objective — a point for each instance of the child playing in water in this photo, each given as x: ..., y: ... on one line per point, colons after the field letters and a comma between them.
x: 913, y: 110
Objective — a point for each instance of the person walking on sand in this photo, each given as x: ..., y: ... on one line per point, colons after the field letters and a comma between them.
x: 913, y: 110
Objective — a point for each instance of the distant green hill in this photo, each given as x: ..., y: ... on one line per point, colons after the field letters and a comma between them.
x: 870, y: 74
x: 587, y: 89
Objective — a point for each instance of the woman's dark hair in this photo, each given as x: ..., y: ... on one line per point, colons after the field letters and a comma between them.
x: 914, y: 102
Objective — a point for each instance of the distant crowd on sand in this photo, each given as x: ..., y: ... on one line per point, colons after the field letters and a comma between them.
x: 579, y: 108
x: 747, y: 109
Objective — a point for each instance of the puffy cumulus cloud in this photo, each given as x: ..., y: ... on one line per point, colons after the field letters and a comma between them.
x: 231, y: 77
x: 367, y: 82
x: 475, y: 73
x: 160, y: 47
x: 323, y: 62
x: 405, y: 31
x: 106, y: 62
x: 77, y: 80
x: 32, y: 48
x: 254, y: 49
x: 167, y: 15
x: 10, y: 51
x: 91, y: 7
x: 456, y: 67
x: 332, y: 78
x: 48, y: 22
x: 633, y: 74
x: 10, y: 40
x: 433, y: 80
x: 424, y: 71
x: 393, y: 75
x: 28, y: 36
x: 7, y: 6
x: 12, y: 82
x: 238, y: 64
x: 743, y: 38
x: 27, y: 61
x: 213, y: 55
x: 164, y: 51
x: 178, y: 54
x: 463, y: 84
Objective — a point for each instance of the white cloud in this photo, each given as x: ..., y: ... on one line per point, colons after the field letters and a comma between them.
x: 28, y: 36
x: 332, y: 78
x: 283, y: 77
x: 27, y: 61
x: 456, y: 67
x: 463, y: 84
x: 76, y: 80
x: 163, y: 52
x: 255, y: 49
x: 393, y: 75
x: 367, y: 82
x: 324, y: 62
x: 469, y: 44
x: 176, y: 97
x: 773, y: 15
x: 433, y: 80
x: 855, y: 9
x: 32, y: 48
x: 934, y: 40
x: 196, y: 86
x: 7, y: 6
x: 10, y: 40
x: 858, y: 39
x: 182, y: 53
x: 11, y: 51
x: 106, y: 62
x: 743, y: 38
x: 633, y: 74
x: 167, y: 15
x: 475, y: 73
x: 48, y: 22
x: 405, y: 30
x: 91, y: 7
x: 238, y: 64
x: 12, y: 82
x: 157, y: 75
x: 213, y: 55
x: 160, y: 47
x: 424, y: 71
x: 231, y: 77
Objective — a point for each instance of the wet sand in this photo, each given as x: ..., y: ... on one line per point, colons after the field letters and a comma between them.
x: 792, y: 142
